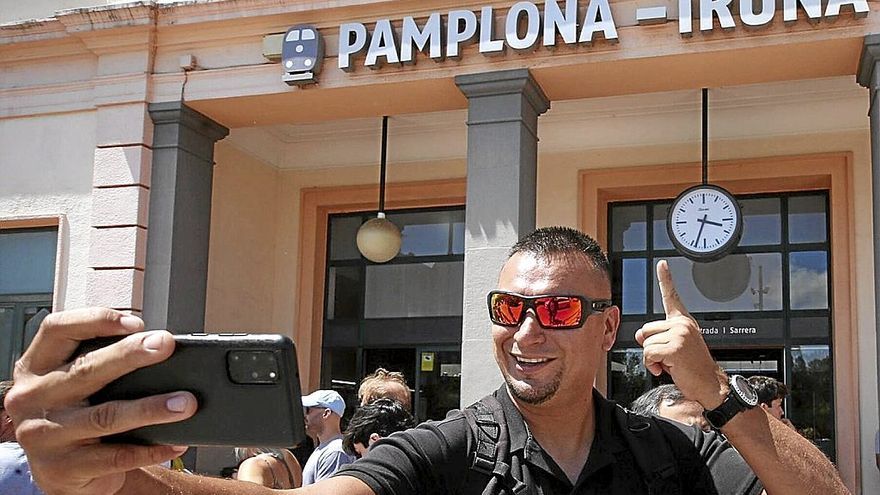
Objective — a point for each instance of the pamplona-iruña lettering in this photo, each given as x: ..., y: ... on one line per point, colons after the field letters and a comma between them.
x: 526, y: 24
x: 443, y: 38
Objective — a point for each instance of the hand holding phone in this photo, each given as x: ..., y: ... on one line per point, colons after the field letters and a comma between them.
x: 60, y: 431
x: 246, y: 385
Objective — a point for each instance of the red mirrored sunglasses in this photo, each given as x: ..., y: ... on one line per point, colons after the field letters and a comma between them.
x: 557, y: 312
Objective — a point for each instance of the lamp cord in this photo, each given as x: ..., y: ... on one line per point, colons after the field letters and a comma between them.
x: 705, y: 135
x: 383, y: 163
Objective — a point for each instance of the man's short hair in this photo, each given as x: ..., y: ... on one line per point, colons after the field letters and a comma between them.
x: 382, y: 417
x: 768, y: 389
x: 375, y: 386
x: 649, y: 403
x: 547, y: 242
x: 5, y: 386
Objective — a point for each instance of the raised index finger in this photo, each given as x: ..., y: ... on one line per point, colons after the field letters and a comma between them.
x: 61, y: 333
x: 672, y: 304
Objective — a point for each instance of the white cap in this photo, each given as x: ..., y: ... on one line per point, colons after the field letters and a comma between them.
x: 325, y: 398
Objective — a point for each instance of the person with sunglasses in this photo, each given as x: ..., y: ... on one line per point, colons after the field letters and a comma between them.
x: 322, y: 416
x: 550, y: 431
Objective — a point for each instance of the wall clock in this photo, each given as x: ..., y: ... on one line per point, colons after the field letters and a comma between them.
x: 704, y: 222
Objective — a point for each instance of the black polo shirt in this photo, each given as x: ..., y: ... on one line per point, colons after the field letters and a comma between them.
x: 435, y: 458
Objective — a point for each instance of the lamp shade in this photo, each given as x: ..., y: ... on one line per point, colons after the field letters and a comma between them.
x: 378, y: 239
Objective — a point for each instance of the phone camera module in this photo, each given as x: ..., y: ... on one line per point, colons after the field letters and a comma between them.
x: 252, y: 367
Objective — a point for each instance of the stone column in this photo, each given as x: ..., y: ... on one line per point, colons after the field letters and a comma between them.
x: 502, y: 155
x: 121, y: 186
x: 869, y: 77
x: 121, y: 168
x: 180, y: 217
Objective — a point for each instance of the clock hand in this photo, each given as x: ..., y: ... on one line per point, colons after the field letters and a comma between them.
x: 710, y: 222
x: 700, y: 232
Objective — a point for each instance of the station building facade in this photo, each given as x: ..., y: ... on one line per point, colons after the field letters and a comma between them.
x: 164, y: 158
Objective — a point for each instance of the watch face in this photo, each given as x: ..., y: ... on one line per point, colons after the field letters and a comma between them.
x: 744, y: 390
x: 704, y: 222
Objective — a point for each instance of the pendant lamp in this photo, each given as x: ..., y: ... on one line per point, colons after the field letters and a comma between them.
x: 378, y: 239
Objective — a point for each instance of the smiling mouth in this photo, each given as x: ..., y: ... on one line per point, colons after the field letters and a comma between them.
x: 530, y: 360
x: 530, y: 364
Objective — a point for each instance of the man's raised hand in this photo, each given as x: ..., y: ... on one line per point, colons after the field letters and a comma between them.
x: 53, y: 422
x: 675, y: 345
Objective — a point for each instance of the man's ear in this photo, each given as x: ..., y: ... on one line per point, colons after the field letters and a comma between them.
x: 612, y: 323
x: 373, y: 437
x: 326, y: 414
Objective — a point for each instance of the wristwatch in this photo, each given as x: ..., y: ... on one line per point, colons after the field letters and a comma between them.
x: 740, y: 398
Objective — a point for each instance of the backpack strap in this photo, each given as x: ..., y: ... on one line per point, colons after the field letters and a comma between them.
x: 651, y: 451
x: 487, y: 433
x: 491, y: 451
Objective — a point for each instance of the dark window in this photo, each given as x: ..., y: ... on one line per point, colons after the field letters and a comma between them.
x: 634, y: 296
x: 27, y: 277
x: 808, y: 271
x: 806, y: 219
x: 27, y: 261
x: 763, y: 309
x: 737, y: 282
x: 340, y: 364
x: 628, y: 377
x: 343, y: 292
x: 404, y: 315
x: 660, y: 234
x: 762, y: 221
x: 811, y: 402
x: 343, y: 231
x: 630, y: 232
x: 414, y: 289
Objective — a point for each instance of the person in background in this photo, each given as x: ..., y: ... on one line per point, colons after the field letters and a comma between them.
x: 668, y: 402
x: 384, y: 383
x: 771, y: 394
x: 15, y: 474
x: 322, y: 411
x: 275, y: 468
x: 373, y: 421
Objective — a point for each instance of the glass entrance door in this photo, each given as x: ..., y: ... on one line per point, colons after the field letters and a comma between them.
x: 433, y: 374
x: 751, y: 362
x: 438, y: 380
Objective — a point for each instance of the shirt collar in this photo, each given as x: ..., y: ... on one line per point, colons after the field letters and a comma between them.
x: 606, y: 441
x: 602, y: 408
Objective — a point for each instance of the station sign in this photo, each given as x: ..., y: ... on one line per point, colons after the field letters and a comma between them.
x: 737, y: 331
x: 743, y: 331
x: 526, y: 26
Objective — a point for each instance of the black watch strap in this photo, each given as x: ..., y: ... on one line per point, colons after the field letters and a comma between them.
x: 733, y: 404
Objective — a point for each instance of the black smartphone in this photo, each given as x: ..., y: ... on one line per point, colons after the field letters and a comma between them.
x: 247, y: 386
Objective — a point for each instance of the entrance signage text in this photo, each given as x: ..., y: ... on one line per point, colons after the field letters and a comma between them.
x: 528, y: 25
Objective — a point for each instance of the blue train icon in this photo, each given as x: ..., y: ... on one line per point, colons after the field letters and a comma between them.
x: 301, y: 55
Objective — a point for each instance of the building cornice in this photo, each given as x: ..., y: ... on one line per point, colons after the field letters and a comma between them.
x: 108, y: 16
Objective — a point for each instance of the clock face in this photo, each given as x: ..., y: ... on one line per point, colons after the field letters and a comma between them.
x: 704, y: 222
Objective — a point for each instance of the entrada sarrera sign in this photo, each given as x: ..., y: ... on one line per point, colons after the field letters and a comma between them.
x: 530, y: 24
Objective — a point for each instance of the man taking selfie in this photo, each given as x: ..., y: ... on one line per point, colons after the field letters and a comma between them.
x: 542, y: 432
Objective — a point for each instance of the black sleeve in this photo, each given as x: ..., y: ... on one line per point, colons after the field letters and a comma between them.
x: 431, y: 459
x: 726, y: 468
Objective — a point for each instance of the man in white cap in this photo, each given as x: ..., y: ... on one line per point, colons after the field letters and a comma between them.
x: 322, y: 411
